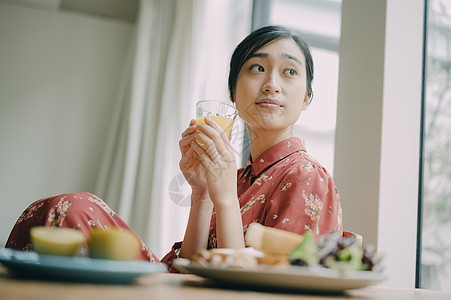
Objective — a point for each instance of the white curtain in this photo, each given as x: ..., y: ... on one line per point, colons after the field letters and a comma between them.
x: 167, y: 71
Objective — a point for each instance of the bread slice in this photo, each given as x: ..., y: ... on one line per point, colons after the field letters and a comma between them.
x: 272, y: 260
x: 271, y: 241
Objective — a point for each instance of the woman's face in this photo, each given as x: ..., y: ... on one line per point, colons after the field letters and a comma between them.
x: 271, y: 87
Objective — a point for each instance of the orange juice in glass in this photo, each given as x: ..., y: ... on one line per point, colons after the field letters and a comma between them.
x: 222, y: 113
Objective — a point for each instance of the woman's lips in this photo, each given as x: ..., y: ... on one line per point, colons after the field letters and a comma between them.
x: 269, y: 103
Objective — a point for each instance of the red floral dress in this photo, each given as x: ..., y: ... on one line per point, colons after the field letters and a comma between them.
x: 81, y: 211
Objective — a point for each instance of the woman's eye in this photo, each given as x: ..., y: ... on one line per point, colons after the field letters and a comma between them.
x: 257, y: 68
x: 290, y: 72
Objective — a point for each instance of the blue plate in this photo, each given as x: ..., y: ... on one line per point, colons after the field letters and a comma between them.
x: 81, y: 269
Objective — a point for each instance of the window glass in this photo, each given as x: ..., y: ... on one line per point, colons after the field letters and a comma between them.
x: 320, y: 17
x: 318, y: 22
x: 232, y: 23
x: 436, y: 231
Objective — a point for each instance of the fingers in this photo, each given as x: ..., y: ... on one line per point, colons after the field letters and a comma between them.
x: 188, y: 159
x: 216, y: 133
x: 187, y: 137
x: 186, y: 141
x: 209, y: 146
x: 191, y: 129
x: 203, y: 156
x: 211, y: 136
x: 209, y: 153
x: 218, y: 128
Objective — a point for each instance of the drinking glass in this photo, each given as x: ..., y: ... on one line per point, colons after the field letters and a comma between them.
x: 220, y: 112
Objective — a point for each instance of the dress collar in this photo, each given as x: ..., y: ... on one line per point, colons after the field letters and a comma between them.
x: 274, y: 154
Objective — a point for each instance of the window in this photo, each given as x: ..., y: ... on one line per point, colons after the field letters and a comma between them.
x: 436, y: 218
x: 318, y: 23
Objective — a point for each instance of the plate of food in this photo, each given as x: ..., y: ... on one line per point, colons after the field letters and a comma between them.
x: 295, y: 263
x: 29, y: 264
x: 58, y: 255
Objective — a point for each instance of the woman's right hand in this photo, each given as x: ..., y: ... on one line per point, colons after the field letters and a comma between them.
x: 198, y: 227
x: 190, y: 165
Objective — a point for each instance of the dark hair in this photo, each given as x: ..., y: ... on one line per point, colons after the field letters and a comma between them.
x: 256, y: 40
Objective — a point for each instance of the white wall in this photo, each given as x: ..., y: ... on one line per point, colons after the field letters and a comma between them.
x: 359, y: 114
x: 59, y: 75
x: 378, y: 128
x: 400, y: 140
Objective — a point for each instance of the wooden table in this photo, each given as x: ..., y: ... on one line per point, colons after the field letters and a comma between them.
x: 183, y: 287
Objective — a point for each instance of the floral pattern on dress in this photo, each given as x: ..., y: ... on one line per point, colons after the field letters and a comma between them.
x: 58, y: 213
x: 248, y: 205
x: 262, y: 179
x: 284, y: 161
x: 103, y: 205
x: 29, y: 212
x: 212, y: 241
x: 308, y: 166
x: 314, y: 205
x: 285, y: 186
x: 71, y: 210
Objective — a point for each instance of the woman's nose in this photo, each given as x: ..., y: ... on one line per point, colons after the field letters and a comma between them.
x: 271, y: 85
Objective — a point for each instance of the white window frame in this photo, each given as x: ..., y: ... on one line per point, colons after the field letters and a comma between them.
x: 377, y: 142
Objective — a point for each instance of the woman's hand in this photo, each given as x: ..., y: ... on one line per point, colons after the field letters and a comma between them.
x: 211, y: 170
x: 198, y: 227
x: 190, y: 165
x: 218, y: 160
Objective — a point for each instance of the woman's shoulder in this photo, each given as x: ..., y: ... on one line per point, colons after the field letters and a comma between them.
x: 303, y: 164
x: 300, y: 160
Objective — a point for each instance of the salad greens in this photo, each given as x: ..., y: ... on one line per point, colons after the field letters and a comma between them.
x: 334, y: 251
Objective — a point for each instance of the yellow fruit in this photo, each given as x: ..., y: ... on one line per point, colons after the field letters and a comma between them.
x: 270, y: 240
x: 56, y: 240
x: 113, y: 243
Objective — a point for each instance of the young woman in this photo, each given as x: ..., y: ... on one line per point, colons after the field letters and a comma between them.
x: 271, y: 73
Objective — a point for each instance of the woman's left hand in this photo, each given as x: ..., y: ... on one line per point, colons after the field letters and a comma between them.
x: 219, y: 160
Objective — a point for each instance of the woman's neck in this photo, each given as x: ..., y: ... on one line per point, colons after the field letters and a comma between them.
x: 261, y: 140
